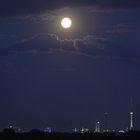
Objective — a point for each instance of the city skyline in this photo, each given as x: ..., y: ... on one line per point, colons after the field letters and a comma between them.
x: 100, y: 127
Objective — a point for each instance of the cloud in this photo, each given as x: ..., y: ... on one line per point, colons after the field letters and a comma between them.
x: 103, y: 36
x: 52, y: 44
x: 23, y: 7
x: 89, y: 46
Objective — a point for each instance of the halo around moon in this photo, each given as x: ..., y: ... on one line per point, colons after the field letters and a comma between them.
x: 66, y: 22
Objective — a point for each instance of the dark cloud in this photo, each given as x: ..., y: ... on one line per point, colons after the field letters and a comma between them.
x: 89, y: 46
x: 16, y: 7
x: 113, y: 34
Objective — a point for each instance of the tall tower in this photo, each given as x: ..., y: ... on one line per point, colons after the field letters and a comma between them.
x: 97, y: 128
x: 131, y: 121
x: 106, y: 122
x: 131, y: 115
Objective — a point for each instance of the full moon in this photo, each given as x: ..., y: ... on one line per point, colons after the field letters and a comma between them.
x: 66, y: 22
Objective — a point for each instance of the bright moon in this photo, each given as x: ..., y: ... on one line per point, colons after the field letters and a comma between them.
x: 66, y: 23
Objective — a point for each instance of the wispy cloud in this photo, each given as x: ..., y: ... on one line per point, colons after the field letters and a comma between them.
x: 101, y: 37
x: 89, y: 46
x: 22, y: 7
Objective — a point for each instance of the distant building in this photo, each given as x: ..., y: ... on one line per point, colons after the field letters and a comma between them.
x: 84, y: 130
x: 97, y: 128
x: 106, y: 122
x: 121, y: 131
x: 131, y: 121
x: 48, y: 130
x: 75, y: 130
x: 131, y: 127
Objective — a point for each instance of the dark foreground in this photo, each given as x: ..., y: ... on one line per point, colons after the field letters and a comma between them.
x: 37, y: 135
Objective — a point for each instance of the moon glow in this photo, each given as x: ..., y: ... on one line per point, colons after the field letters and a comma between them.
x: 66, y: 22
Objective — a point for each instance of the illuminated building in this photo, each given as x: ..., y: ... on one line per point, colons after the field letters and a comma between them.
x: 97, y: 128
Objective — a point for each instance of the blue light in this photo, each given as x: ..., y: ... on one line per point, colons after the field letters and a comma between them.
x: 48, y: 130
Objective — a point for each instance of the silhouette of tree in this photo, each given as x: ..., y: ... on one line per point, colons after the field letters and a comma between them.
x: 8, y: 131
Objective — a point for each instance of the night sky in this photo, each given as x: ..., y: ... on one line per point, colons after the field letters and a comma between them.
x: 67, y: 78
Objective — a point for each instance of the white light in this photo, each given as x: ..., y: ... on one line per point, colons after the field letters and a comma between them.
x: 131, y: 113
x: 121, y: 131
x: 66, y: 22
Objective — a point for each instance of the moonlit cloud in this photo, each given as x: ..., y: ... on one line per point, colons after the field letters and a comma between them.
x: 99, y: 37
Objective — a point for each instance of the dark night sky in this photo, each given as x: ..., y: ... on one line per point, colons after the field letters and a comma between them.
x: 61, y: 78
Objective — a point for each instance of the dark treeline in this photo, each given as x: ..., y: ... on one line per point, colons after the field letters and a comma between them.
x: 9, y: 134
